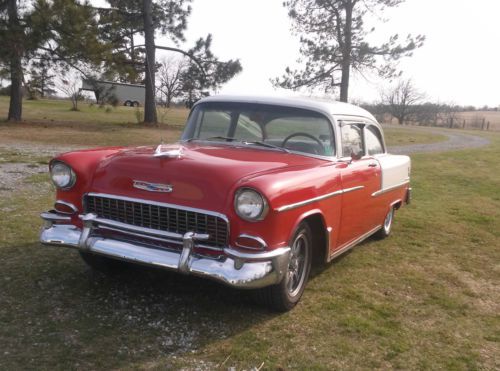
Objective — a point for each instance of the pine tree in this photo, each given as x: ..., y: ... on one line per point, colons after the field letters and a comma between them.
x: 334, y: 42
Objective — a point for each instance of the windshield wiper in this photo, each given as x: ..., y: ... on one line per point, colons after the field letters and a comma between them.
x: 229, y: 139
x: 264, y: 144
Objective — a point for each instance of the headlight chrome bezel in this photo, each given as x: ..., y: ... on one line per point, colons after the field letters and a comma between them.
x: 72, y: 175
x: 265, y: 205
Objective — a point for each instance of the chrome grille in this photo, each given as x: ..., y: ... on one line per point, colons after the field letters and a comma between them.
x: 164, y: 218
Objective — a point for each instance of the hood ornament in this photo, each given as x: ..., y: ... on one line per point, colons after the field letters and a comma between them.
x: 169, y: 152
x: 153, y: 187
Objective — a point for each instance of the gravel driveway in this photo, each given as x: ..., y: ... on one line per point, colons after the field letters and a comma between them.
x: 14, y: 174
x: 454, y: 142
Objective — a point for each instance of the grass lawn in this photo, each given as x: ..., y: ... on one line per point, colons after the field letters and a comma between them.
x: 428, y: 297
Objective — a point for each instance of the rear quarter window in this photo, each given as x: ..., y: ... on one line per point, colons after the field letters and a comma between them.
x: 374, y: 143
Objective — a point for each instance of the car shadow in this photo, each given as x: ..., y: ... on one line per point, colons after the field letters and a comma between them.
x: 136, y: 313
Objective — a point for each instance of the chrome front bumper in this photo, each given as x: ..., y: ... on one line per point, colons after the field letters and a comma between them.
x: 234, y: 268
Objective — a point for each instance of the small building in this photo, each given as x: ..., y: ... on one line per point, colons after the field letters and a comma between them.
x: 132, y: 95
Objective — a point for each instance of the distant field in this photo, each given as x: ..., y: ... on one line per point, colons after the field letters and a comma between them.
x: 492, y: 116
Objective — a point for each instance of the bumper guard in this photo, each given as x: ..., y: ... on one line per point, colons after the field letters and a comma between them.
x: 234, y: 268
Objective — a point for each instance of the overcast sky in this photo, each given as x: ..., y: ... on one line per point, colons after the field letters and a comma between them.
x: 459, y: 63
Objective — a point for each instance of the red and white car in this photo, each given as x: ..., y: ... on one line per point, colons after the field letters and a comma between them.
x: 254, y: 192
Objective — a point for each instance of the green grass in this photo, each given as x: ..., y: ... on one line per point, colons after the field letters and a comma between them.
x: 50, y: 111
x: 52, y: 122
x: 428, y: 297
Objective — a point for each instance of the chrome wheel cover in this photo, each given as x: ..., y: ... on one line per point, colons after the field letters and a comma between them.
x: 296, y: 274
x: 388, y: 221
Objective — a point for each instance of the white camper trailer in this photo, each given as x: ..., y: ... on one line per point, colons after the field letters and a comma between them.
x: 127, y: 94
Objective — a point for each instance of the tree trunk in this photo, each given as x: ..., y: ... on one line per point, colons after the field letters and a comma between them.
x: 346, y: 54
x: 16, y: 71
x: 149, y: 39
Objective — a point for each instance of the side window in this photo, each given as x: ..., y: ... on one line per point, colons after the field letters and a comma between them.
x: 373, y: 139
x: 352, y: 140
x: 213, y: 123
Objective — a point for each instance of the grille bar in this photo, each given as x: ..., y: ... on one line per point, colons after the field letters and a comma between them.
x: 160, y: 217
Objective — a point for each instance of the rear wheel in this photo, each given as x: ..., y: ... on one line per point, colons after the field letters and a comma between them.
x: 127, y: 103
x: 285, y: 295
x: 385, y: 231
x: 101, y: 263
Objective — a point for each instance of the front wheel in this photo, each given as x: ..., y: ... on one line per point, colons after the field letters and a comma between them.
x: 285, y: 295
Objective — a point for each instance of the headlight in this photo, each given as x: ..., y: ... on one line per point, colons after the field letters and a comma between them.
x: 62, y: 175
x: 250, y: 205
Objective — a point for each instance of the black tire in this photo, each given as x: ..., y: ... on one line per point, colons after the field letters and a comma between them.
x: 101, y: 263
x: 386, y: 229
x: 135, y: 104
x: 127, y: 103
x: 285, y: 295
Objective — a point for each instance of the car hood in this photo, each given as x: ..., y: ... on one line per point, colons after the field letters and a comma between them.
x: 201, y: 176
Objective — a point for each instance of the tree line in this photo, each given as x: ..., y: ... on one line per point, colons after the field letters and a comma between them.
x: 334, y: 38
x: 404, y: 102
x: 40, y: 38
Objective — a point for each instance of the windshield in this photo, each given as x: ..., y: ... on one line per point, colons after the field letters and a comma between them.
x: 288, y: 128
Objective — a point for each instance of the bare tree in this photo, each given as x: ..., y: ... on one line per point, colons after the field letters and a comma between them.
x: 70, y: 86
x: 450, y: 115
x: 170, y: 74
x: 402, y: 99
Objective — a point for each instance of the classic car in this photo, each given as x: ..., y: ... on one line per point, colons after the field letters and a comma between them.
x: 255, y: 191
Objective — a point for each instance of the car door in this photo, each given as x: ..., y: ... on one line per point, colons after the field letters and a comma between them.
x: 360, y: 177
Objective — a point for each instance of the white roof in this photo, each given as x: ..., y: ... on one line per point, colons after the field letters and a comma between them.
x: 319, y: 105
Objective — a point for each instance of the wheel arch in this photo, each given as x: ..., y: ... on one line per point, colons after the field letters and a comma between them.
x: 397, y: 204
x: 320, y: 235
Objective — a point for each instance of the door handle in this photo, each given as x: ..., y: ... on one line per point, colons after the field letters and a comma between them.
x: 372, y: 164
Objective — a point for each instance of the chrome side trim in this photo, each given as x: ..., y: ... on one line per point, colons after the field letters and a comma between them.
x: 67, y: 204
x: 180, y: 207
x: 350, y: 245
x: 260, y: 241
x: 315, y: 199
x: 388, y: 189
